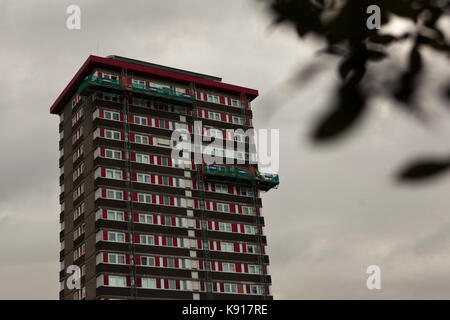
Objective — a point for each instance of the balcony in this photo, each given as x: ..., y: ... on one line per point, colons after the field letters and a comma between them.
x: 93, y: 83
x: 226, y: 173
x: 267, y: 181
x: 248, y: 176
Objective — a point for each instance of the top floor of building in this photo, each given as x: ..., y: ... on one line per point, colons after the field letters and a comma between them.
x: 147, y: 78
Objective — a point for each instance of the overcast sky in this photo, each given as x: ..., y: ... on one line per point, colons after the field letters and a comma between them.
x: 337, y: 210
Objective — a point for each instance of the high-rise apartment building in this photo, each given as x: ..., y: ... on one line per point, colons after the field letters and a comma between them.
x: 143, y: 225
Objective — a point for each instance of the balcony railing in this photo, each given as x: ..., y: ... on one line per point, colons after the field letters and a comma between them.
x: 93, y: 82
x: 251, y: 176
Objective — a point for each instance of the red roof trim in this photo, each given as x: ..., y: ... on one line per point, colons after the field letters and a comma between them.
x: 95, y: 61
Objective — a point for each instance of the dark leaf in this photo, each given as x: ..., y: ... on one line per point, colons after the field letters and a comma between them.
x: 375, y: 55
x: 344, y: 115
x: 436, y: 43
x: 408, y: 80
x: 424, y: 169
x: 382, y: 39
x: 387, y: 39
x: 333, y: 49
x: 345, y: 67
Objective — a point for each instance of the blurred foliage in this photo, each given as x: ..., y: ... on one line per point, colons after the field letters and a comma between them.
x: 342, y: 25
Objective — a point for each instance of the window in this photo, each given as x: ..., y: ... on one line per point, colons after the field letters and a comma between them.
x: 78, y: 153
x: 110, y: 115
x: 213, y: 99
x: 77, y: 135
x: 139, y: 102
x: 172, y: 284
x: 166, y: 200
x: 253, y: 289
x: 145, y: 198
x: 148, y: 261
x: 246, y: 192
x: 78, y: 191
x: 114, y: 194
x: 225, y: 226
x: 160, y: 106
x: 139, y: 83
x: 113, y: 154
x: 221, y: 188
x: 114, y: 174
x: 179, y: 182
x: 79, y: 231
x: 254, y: 269
x: 215, y: 133
x: 238, y: 120
x: 116, y: 236
x: 140, y: 139
x: 147, y: 239
x: 227, y: 246
x: 78, y: 252
x: 78, y: 171
x: 77, y: 116
x: 250, y: 229
x: 146, y: 218
x: 116, y: 281
x: 114, y: 258
x: 148, y: 283
x: 179, y: 109
x: 112, y: 134
x: 164, y: 161
x: 253, y: 249
x: 213, y: 115
x: 170, y: 262
x: 75, y: 101
x: 239, y: 137
x: 248, y: 210
x: 169, y: 241
x: 157, y: 85
x: 142, y: 158
x: 115, y: 215
x: 80, y: 294
x: 110, y: 97
x: 144, y: 178
x: 110, y: 78
x: 78, y: 211
x: 140, y: 120
x: 222, y: 207
x: 179, y: 202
